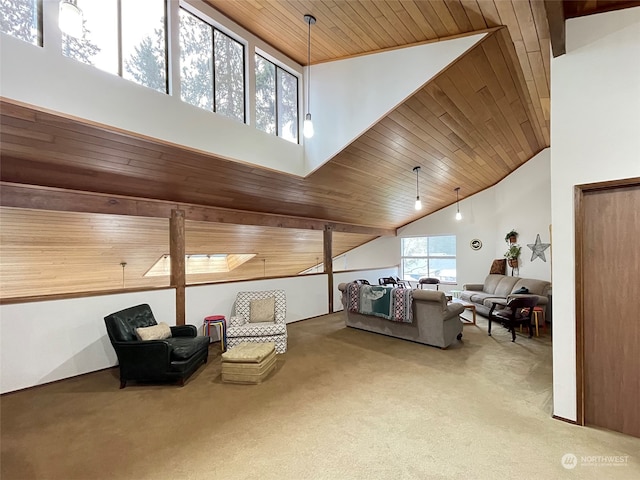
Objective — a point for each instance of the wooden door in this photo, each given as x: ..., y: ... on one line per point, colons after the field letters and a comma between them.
x: 610, y: 281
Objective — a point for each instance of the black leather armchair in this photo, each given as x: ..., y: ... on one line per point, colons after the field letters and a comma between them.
x: 172, y: 359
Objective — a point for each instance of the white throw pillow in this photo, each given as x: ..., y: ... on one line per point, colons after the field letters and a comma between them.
x: 154, y: 332
x: 237, y: 321
x: 262, y: 310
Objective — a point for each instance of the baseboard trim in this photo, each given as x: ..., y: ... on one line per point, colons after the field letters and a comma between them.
x: 562, y: 419
x: 32, y: 387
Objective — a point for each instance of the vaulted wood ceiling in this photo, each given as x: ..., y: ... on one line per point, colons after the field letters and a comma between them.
x: 480, y: 119
x: 346, y: 28
x: 470, y: 127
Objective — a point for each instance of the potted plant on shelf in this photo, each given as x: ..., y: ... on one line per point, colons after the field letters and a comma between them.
x: 511, y: 237
x: 512, y: 255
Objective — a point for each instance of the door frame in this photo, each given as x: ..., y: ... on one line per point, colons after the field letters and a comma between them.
x: 579, y: 192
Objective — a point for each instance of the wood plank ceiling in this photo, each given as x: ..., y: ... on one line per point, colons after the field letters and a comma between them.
x: 72, y: 252
x: 346, y: 28
x: 479, y: 120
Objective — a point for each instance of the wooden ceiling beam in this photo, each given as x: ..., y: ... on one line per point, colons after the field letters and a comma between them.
x: 57, y: 199
x: 555, y: 18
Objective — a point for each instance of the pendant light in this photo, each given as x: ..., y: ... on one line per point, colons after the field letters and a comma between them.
x: 70, y: 18
x: 418, y: 204
x: 307, y: 129
x: 458, y: 214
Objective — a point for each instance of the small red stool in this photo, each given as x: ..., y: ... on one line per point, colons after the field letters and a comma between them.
x: 221, y: 323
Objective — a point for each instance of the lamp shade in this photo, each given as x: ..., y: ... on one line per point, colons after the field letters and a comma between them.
x: 418, y: 204
x: 70, y: 18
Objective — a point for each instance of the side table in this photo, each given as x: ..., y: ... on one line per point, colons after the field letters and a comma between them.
x: 467, y: 306
x: 220, y: 322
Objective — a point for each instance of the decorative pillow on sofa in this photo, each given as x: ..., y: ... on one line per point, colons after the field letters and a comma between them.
x: 154, y: 332
x: 522, y: 290
x: 263, y: 310
x: 237, y: 321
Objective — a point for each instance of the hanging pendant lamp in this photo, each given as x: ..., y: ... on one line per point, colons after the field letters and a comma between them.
x: 458, y: 214
x: 307, y: 129
x: 418, y: 204
x: 70, y: 18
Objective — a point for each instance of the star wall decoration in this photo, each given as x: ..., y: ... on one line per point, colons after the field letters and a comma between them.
x: 538, y: 248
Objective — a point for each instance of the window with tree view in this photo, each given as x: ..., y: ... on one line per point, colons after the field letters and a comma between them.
x: 211, y: 68
x: 276, y: 100
x: 22, y: 19
x: 140, y: 41
x: 433, y: 256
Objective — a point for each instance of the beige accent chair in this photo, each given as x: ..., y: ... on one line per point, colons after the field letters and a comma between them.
x: 242, y: 329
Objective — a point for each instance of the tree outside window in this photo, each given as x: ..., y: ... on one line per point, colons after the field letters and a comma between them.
x: 229, y: 76
x: 211, y: 68
x: 276, y: 100
x: 265, y: 95
x: 21, y: 19
x: 141, y: 45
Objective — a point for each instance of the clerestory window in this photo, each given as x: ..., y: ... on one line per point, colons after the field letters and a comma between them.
x: 22, y: 19
x: 276, y: 100
x: 129, y: 38
x: 211, y: 68
x: 124, y: 38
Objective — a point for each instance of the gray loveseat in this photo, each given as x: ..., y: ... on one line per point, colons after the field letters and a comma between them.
x: 434, y: 323
x: 499, y: 287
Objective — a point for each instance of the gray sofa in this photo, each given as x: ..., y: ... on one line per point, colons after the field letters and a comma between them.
x: 434, y: 323
x: 499, y: 287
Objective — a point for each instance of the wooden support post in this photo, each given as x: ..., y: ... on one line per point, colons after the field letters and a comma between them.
x: 328, y: 262
x: 177, y: 253
x: 556, y: 20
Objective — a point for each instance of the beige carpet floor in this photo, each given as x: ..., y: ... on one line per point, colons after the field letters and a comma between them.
x: 341, y: 404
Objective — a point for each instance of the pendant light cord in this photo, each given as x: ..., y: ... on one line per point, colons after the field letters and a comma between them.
x: 123, y: 264
x: 309, y: 65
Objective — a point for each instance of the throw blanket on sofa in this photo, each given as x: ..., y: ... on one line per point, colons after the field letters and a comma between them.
x: 391, y: 303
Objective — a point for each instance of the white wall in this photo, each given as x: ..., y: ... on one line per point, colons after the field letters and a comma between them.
x: 595, y: 133
x: 523, y: 203
x: 381, y: 252
x: 47, y: 341
x: 306, y: 297
x: 520, y: 201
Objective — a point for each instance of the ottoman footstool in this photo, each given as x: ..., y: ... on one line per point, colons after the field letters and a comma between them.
x: 248, y: 363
